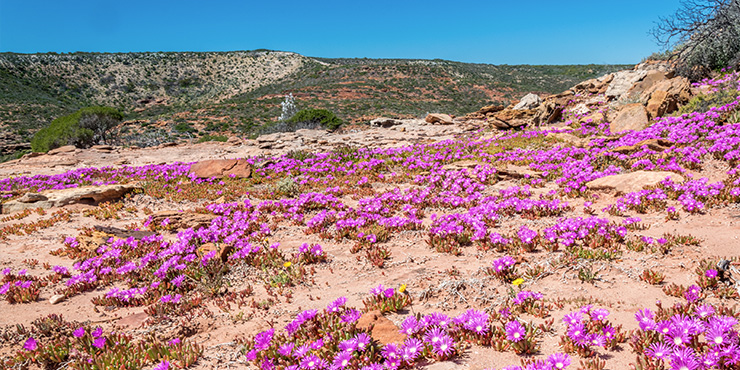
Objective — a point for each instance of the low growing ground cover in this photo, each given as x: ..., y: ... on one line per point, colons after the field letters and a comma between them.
x: 475, y: 267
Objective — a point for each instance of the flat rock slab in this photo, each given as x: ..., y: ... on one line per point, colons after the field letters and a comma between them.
x: 61, y: 197
x: 221, y: 167
x: 183, y: 219
x: 632, y: 181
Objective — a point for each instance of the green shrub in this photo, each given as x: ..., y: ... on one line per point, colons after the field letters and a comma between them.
x: 701, y: 103
x: 185, y: 127
x: 84, y: 128
x: 323, y: 117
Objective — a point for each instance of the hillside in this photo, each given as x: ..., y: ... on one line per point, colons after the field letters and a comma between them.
x: 237, y: 91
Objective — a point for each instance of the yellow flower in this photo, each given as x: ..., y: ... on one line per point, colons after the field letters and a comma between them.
x: 287, y: 264
x: 518, y: 281
x: 402, y: 288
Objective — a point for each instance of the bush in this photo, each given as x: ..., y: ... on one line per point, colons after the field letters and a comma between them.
x: 84, y: 128
x: 323, y: 117
x: 704, y: 35
x: 702, y: 103
x: 184, y: 127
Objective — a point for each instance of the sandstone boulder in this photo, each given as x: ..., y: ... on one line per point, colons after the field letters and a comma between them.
x: 666, y: 96
x: 529, y: 101
x: 622, y: 82
x: 222, y: 252
x: 92, y: 195
x: 518, y: 172
x: 222, y: 167
x: 630, y: 117
x: 632, y: 181
x: 385, y: 122
x: 439, y: 118
x: 650, y: 79
x: 513, y: 118
x: 183, y: 219
x: 594, y: 85
x: 123, y: 233
x: 102, y: 148
x: 660, y: 103
x: 90, y: 242
x: 657, y: 145
x: 490, y: 109
x: 576, y: 141
x: 384, y: 331
x: 62, y: 149
x: 548, y: 112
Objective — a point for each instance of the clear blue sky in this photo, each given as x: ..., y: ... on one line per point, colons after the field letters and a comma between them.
x: 497, y: 32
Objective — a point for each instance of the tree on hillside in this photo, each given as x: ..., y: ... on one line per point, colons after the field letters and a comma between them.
x: 84, y: 128
x: 703, y: 34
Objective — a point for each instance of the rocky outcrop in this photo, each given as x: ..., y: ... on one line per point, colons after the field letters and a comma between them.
x: 594, y: 85
x: 529, y: 101
x: 629, y: 117
x: 92, y: 195
x: 666, y: 96
x: 385, y: 122
x: 62, y: 149
x: 622, y: 82
x: 222, y: 167
x: 632, y: 181
x: 439, y: 119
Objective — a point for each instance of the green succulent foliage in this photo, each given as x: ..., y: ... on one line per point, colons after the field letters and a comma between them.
x: 324, y: 117
x: 82, y: 129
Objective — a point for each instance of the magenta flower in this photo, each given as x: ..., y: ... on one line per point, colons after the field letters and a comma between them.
x: 515, y: 331
x: 410, y: 325
x: 573, y: 318
x: 711, y: 273
x: 445, y: 346
x: 99, y: 342
x: 262, y: 340
x: 164, y: 365
x: 658, y: 350
x: 97, y: 332
x: 434, y: 335
x: 388, y: 293
x: 599, y: 314
x: 558, y: 361
x: 30, y: 344
x: 342, y: 360
x: 336, y: 305
x: 313, y: 362
x: 79, y: 332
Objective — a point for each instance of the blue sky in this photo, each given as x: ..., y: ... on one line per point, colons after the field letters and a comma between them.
x: 496, y: 32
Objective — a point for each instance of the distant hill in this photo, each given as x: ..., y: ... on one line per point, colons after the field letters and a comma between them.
x: 208, y: 92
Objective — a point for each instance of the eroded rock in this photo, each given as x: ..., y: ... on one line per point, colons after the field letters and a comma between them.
x: 630, y: 117
x: 439, y: 119
x: 92, y: 195
x: 632, y: 181
x: 183, y: 219
x: 222, y: 167
x: 529, y: 101
x: 384, y: 331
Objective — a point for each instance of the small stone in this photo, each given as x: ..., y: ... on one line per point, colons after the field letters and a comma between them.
x: 57, y: 298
